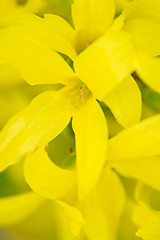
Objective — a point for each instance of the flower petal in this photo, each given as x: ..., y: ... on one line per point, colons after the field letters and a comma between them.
x: 145, y: 34
x: 138, y: 141
x: 75, y: 217
x: 91, y: 19
x: 148, y: 69
x: 52, y: 30
x: 46, y: 116
x: 9, y: 76
x: 34, y: 60
x: 33, y: 6
x: 16, y: 208
x: 143, y: 9
x: 146, y: 170
x: 45, y: 178
x: 121, y: 5
x: 89, y: 125
x: 125, y: 102
x: 103, y: 208
x: 105, y: 63
x: 151, y: 230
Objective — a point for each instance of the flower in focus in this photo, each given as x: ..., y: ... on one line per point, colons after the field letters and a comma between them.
x: 93, y: 62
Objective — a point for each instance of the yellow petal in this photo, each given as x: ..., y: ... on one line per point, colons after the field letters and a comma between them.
x: 105, y: 63
x: 148, y: 222
x: 91, y: 134
x: 15, y: 209
x: 52, y: 30
x: 103, y: 208
x: 9, y: 76
x: 61, y: 27
x: 75, y: 217
x: 34, y: 60
x: 143, y: 9
x: 125, y: 102
x: 9, y: 7
x: 121, y: 4
x: 148, y: 69
x: 145, y: 34
x: 33, y: 6
x: 91, y: 19
x: 138, y: 141
x: 46, y: 116
x: 145, y: 216
x: 150, y: 231
x: 147, y: 170
x: 45, y: 178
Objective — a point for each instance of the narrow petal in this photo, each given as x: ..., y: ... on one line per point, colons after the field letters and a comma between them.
x: 15, y: 209
x: 146, y: 170
x: 91, y: 134
x: 143, y: 9
x: 145, y: 33
x: 105, y: 63
x: 138, y: 141
x: 148, y: 69
x: 45, y: 178
x: 91, y: 19
x: 103, y: 208
x: 75, y: 218
x: 125, y: 102
x: 46, y: 116
x: 36, y: 62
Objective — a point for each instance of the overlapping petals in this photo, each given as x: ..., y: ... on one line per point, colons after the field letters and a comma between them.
x: 134, y: 152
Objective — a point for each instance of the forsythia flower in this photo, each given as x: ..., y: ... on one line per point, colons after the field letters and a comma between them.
x: 92, y: 62
x: 76, y: 101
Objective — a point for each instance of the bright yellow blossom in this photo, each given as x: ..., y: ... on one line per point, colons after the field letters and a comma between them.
x: 36, y: 40
x: 132, y: 153
x: 104, y: 52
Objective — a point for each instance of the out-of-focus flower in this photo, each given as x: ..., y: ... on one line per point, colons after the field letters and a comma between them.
x: 8, y: 7
x: 147, y: 212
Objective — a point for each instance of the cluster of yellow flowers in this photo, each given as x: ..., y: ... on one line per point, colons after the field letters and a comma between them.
x: 80, y: 122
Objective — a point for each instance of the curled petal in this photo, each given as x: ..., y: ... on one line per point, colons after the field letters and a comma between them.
x: 45, y: 117
x: 45, y: 178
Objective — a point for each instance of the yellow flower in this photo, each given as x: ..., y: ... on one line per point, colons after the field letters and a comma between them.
x: 133, y: 153
x: 106, y: 57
